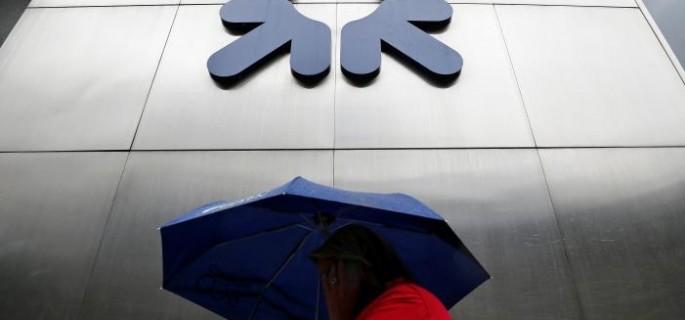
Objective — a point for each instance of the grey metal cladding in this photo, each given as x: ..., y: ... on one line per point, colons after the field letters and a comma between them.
x: 621, y: 212
x: 77, y: 78
x: 579, y: 3
x: 74, y: 3
x: 400, y: 110
x: 594, y: 77
x: 99, y: 3
x: 53, y: 209
x: 268, y: 110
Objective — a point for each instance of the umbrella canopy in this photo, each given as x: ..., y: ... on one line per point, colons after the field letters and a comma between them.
x: 248, y: 259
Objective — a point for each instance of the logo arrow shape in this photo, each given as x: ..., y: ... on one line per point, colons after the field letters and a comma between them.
x: 395, y: 26
x: 278, y: 26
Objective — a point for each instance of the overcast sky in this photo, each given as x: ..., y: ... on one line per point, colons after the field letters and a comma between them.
x: 670, y: 16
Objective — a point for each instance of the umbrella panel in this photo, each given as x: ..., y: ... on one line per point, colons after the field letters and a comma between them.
x: 371, y: 208
x: 185, y: 242
x: 255, y: 278
x: 296, y: 293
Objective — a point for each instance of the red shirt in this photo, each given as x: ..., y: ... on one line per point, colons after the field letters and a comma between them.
x: 405, y: 301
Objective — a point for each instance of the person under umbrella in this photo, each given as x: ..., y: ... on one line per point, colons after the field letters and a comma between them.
x: 250, y: 259
x: 364, y: 279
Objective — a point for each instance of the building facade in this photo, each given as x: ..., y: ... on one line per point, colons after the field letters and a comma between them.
x: 558, y: 155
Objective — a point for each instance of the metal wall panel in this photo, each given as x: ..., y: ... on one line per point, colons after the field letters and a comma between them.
x: 77, y: 79
x: 622, y: 212
x: 401, y: 109
x: 158, y: 186
x: 53, y: 208
x: 98, y: 3
x: 269, y: 109
x: 598, y: 3
x: 293, y: 1
x: 377, y: 1
x: 588, y: 3
x: 497, y: 202
x: 72, y: 3
x: 594, y: 77
x: 203, y: 1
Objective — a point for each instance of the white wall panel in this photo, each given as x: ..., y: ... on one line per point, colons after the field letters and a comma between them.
x: 594, y: 77
x: 268, y: 109
x: 497, y: 202
x: 622, y: 212
x: 158, y: 186
x: 77, y: 79
x: 401, y: 109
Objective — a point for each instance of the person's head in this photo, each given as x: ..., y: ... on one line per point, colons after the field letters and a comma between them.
x: 359, y: 246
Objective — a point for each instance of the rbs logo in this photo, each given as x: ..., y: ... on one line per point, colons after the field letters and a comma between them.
x: 395, y: 27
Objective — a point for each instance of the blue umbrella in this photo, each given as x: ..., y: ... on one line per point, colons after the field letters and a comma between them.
x: 248, y: 259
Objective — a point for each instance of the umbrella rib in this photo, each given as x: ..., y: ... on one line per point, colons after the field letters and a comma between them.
x: 279, y: 229
x: 350, y: 221
x: 297, y: 224
x: 278, y: 272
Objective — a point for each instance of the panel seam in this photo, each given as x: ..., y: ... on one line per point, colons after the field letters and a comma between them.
x: 562, y: 237
x: 154, y: 77
x: 516, y: 79
x: 335, y: 88
x: 346, y: 149
x: 81, y: 306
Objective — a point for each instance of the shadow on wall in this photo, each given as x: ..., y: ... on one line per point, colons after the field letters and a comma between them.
x: 10, y: 11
